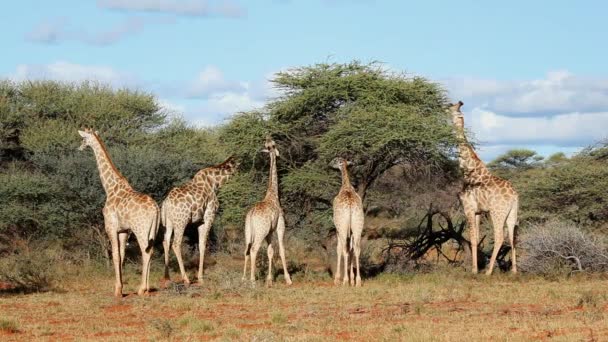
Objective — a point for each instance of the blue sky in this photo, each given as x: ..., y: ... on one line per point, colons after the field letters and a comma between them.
x: 531, y: 74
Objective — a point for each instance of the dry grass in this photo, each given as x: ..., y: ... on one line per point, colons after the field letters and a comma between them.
x: 442, y: 306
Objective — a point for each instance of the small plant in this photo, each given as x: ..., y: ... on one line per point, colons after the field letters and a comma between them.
x: 418, y: 308
x: 278, y: 318
x: 554, y: 248
x: 588, y: 299
x: 233, y: 333
x: 164, y: 327
x: 196, y: 325
x: 29, y: 271
x: 9, y: 326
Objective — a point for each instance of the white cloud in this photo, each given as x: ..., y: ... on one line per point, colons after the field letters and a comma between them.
x: 58, y: 30
x: 203, y: 8
x: 50, y: 31
x: 219, y: 107
x: 211, y: 81
x: 559, y: 92
x: 173, y: 109
x: 70, y: 72
x: 571, y: 129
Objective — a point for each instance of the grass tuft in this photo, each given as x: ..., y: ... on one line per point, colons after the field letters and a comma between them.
x: 9, y: 326
x: 278, y: 318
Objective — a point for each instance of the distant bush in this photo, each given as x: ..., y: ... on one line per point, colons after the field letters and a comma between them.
x: 560, y: 247
x: 32, y: 269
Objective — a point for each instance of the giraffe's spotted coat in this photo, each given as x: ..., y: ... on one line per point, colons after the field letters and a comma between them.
x: 484, y: 192
x: 194, y: 202
x: 349, y: 219
x: 125, y: 209
x: 263, y: 219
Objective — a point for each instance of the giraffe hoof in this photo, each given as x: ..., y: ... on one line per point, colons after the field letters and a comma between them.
x: 288, y: 281
x: 337, y: 281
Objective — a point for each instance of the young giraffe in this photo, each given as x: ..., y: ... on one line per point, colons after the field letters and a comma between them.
x: 484, y: 192
x: 349, y: 219
x: 265, y: 217
x: 125, y: 209
x: 193, y: 202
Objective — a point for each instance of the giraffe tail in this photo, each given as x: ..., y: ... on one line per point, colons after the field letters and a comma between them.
x: 163, y: 215
x: 153, y: 229
x: 248, y: 235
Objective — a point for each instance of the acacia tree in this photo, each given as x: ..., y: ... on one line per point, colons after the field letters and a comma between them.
x: 49, y: 189
x: 362, y: 112
x: 517, y: 159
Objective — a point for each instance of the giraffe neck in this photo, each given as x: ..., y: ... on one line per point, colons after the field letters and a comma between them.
x: 345, y: 178
x: 108, y: 173
x: 474, y: 169
x: 273, y: 183
x: 212, y: 176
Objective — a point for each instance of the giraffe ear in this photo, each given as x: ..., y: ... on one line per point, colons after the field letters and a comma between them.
x: 265, y: 150
x: 82, y: 134
x: 276, y: 152
x: 349, y: 163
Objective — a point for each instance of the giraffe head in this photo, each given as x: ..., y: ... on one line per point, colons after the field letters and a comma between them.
x: 229, y: 166
x: 88, y: 138
x: 270, y: 146
x: 457, y: 117
x: 339, y: 162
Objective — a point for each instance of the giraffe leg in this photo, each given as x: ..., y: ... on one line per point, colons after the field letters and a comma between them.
x: 511, y: 223
x: 498, y: 222
x: 475, y: 242
x: 122, y: 242
x: 142, y: 240
x: 338, y: 260
x: 281, y: 234
x: 357, y: 224
x: 166, y: 247
x: 357, y: 249
x: 351, y: 256
x: 177, y: 249
x: 245, y: 266
x: 270, y: 252
x: 472, y: 221
x: 116, y: 260
x: 148, y: 270
x: 203, y: 234
x: 345, y: 253
x: 469, y: 205
x: 254, y: 253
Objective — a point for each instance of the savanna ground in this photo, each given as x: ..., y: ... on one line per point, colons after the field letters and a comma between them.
x: 444, y: 305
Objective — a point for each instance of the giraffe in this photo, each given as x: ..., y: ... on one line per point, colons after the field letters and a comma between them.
x: 484, y: 192
x: 125, y: 209
x: 264, y: 218
x: 349, y: 219
x: 193, y: 202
